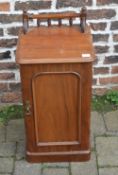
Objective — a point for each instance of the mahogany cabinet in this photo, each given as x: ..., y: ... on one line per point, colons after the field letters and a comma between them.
x: 56, y: 75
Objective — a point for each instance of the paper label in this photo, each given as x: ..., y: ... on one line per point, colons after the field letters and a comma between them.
x: 84, y: 55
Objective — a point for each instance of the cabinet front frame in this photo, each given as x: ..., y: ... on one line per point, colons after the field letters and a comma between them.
x: 85, y: 72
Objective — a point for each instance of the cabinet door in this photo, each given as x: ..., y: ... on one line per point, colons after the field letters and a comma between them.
x: 56, y: 103
x: 58, y: 118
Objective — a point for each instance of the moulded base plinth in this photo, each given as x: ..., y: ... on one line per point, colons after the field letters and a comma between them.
x: 61, y: 157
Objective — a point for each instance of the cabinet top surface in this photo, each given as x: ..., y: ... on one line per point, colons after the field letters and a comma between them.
x: 55, y: 45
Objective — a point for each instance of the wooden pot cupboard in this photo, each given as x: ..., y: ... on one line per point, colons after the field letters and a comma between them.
x: 56, y: 75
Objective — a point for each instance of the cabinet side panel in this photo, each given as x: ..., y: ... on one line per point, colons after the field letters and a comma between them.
x: 86, y: 105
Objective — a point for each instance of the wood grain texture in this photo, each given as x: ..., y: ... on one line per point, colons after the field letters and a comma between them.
x: 54, y: 45
x: 55, y: 16
x: 28, y: 73
x: 56, y: 84
x: 57, y: 98
x: 76, y: 156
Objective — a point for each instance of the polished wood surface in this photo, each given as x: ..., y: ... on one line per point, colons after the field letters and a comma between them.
x: 58, y: 127
x: 55, y: 16
x: 55, y: 45
x: 56, y: 107
x: 56, y: 75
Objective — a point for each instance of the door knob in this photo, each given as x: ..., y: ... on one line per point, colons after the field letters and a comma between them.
x: 27, y: 108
